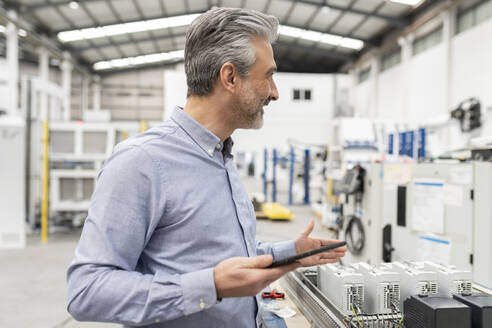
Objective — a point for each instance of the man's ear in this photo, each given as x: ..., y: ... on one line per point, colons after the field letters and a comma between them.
x: 228, y: 77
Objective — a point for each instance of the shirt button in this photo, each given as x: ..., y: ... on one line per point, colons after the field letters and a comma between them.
x: 157, y: 320
x: 210, y: 151
x: 218, y: 146
x: 202, y: 304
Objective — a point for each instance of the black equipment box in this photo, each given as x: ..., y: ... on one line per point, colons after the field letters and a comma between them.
x: 481, y: 307
x: 436, y: 312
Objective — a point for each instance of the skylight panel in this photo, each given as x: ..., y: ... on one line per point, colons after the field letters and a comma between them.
x: 126, y: 28
x: 139, y: 60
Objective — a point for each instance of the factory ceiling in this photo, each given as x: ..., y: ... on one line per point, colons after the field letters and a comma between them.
x: 317, y: 36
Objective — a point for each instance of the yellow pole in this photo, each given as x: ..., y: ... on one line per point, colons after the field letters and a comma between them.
x: 330, y: 187
x: 44, y: 196
x: 143, y: 126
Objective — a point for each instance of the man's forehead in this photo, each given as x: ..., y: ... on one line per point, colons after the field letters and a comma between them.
x: 264, y: 53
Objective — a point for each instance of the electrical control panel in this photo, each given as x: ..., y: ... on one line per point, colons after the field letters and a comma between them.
x: 343, y: 286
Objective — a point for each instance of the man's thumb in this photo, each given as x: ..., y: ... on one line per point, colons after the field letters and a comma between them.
x: 309, y: 229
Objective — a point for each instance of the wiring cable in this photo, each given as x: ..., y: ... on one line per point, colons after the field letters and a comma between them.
x: 355, y: 313
x: 354, y: 235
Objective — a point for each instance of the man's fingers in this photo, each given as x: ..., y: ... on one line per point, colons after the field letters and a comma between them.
x: 277, y: 272
x: 309, y: 229
x: 326, y: 242
x: 329, y: 256
x: 326, y: 261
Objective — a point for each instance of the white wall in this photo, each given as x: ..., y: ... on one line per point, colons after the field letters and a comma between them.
x: 360, y: 97
x: 415, y: 92
x: 394, y: 84
x: 426, y: 85
x: 472, y: 67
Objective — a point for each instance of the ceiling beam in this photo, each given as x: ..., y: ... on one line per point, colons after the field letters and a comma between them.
x: 26, y: 8
x: 318, y: 51
x: 395, y: 21
x: 137, y: 67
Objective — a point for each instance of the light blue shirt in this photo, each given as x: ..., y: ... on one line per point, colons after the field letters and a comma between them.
x: 168, y: 207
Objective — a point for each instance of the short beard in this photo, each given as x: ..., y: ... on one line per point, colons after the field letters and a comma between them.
x: 245, y: 119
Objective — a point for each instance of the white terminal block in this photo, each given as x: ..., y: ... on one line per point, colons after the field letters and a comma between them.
x: 343, y: 286
x: 450, y: 279
x: 382, y: 288
x: 414, y: 281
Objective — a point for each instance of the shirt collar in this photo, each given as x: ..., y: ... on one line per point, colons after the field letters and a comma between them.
x: 203, y: 137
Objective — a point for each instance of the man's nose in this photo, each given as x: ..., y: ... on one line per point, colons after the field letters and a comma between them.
x: 274, y: 92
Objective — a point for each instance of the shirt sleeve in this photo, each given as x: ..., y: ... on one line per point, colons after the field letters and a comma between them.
x: 103, y: 283
x: 278, y: 250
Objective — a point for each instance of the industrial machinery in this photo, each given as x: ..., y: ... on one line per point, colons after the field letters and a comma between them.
x: 469, y: 114
x: 450, y: 279
x: 481, y: 307
x: 381, y: 288
x: 326, y: 295
x: 414, y: 281
x: 436, y: 312
x: 12, y: 186
x: 442, y: 209
x: 343, y: 286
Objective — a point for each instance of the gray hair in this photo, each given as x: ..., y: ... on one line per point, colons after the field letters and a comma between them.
x: 223, y: 35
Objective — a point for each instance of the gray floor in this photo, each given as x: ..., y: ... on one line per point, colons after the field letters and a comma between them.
x: 32, y: 280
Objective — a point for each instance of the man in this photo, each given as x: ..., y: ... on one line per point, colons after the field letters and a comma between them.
x: 169, y: 240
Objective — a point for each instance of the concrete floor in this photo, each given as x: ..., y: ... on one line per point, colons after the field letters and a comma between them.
x: 32, y: 280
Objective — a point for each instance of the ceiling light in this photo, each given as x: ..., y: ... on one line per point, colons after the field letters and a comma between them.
x: 22, y: 33
x: 413, y: 3
x: 117, y: 29
x: 321, y: 37
x: 74, y: 5
x: 139, y: 60
x: 2, y: 29
x: 325, y: 9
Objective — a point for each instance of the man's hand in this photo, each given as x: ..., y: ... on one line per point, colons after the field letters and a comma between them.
x: 247, y: 276
x: 304, y: 243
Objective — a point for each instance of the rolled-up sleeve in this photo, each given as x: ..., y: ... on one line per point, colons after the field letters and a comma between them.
x: 279, y: 250
x: 103, y: 284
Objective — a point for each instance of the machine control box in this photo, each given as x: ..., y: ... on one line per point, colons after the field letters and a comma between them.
x: 343, y: 286
x: 481, y: 307
x: 382, y: 289
x: 414, y: 281
x: 450, y: 279
x: 436, y: 312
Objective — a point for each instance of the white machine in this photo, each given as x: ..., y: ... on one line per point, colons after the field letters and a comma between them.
x: 381, y: 288
x: 343, y: 286
x: 443, y: 210
x: 12, y: 182
x: 414, y: 281
x: 450, y: 279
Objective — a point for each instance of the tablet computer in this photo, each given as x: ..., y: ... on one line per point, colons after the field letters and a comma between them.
x: 297, y: 257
